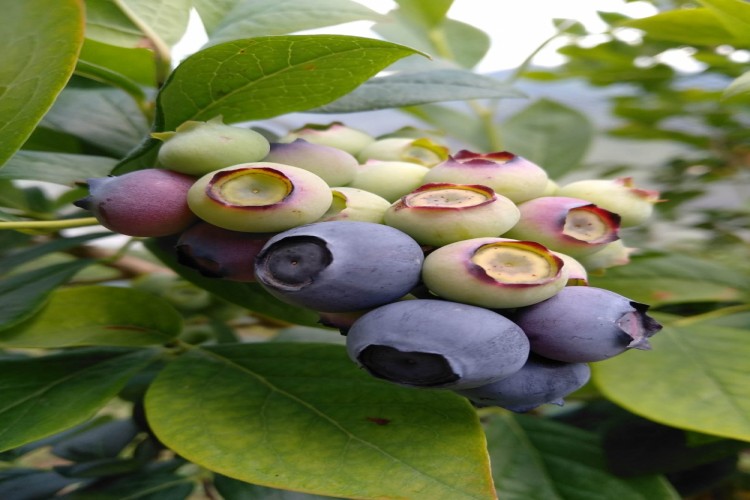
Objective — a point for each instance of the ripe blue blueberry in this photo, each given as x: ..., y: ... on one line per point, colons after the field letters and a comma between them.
x: 339, y: 266
x: 581, y: 324
x: 540, y: 381
x: 436, y: 343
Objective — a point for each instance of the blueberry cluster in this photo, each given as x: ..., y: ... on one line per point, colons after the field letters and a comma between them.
x: 463, y: 271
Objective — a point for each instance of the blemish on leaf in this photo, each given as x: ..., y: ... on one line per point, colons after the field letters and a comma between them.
x: 379, y: 420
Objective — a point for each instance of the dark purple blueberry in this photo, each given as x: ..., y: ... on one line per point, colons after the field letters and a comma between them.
x: 540, y: 381
x: 437, y: 343
x: 216, y: 252
x: 339, y: 266
x: 150, y: 202
x: 581, y: 324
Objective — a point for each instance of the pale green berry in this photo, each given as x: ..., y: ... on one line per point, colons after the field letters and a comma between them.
x: 356, y: 204
x: 422, y: 151
x: 197, y: 148
x: 389, y: 179
x: 334, y: 134
x: 259, y: 197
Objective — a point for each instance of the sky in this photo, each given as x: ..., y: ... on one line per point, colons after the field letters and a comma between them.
x: 515, y: 27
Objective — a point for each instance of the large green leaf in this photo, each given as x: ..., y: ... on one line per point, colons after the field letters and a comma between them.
x: 280, y: 17
x: 552, y: 135
x: 97, y: 315
x: 735, y: 15
x: 58, y: 168
x: 538, y: 459
x: 232, y: 489
x: 45, y: 395
x: 658, y: 279
x: 264, y: 77
x: 22, y: 295
x: 411, y: 89
x: 304, y: 417
x: 17, y: 257
x: 40, y: 41
x: 696, y: 377
x: 455, y: 123
x: 248, y: 295
x: 691, y: 26
x: 108, y: 118
x: 213, y: 12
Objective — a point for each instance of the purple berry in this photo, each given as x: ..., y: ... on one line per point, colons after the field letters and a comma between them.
x: 216, y: 252
x: 339, y: 266
x: 146, y: 203
x: 435, y: 343
x: 540, y: 381
x: 581, y: 324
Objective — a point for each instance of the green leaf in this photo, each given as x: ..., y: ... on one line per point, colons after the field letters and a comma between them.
x: 537, y: 458
x: 45, y: 395
x: 428, y: 13
x: 213, y: 12
x: 550, y: 134
x: 147, y: 485
x: 106, y: 23
x: 280, y: 17
x: 735, y: 15
x: 268, y: 76
x: 695, y: 378
x: 454, y: 41
x: 691, y: 26
x: 21, y: 256
x: 105, y: 117
x: 58, y: 168
x: 739, y: 87
x: 248, y: 295
x: 455, y: 123
x: 22, y: 295
x: 97, y: 315
x: 164, y: 22
x: 136, y: 64
x: 304, y: 417
x: 40, y: 43
x: 659, y: 279
x: 410, y: 89
x: 232, y: 489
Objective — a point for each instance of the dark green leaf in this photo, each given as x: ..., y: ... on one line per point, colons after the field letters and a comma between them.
x: 410, y: 89
x: 550, y: 134
x: 695, y: 378
x: 280, y: 17
x: 40, y: 43
x: 23, y: 484
x: 146, y: 486
x: 232, y: 489
x: 22, y: 295
x: 249, y: 295
x: 58, y: 168
x: 19, y: 257
x: 536, y: 458
x: 264, y: 77
x: 105, y: 440
x: 304, y: 417
x: 45, y: 395
x: 105, y: 117
x: 97, y: 315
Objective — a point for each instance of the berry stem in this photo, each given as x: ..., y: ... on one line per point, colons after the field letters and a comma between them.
x: 50, y: 224
x: 707, y: 316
